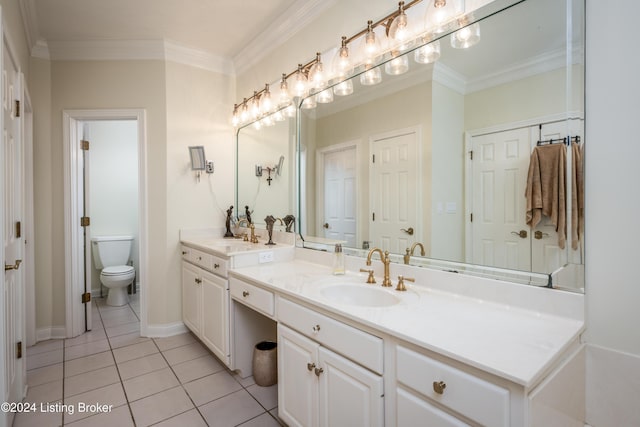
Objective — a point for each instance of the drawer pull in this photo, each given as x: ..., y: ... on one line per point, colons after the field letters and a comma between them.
x: 439, y: 386
x: 184, y: 252
x: 310, y: 366
x: 316, y: 328
x: 245, y: 294
x: 199, y: 258
x: 216, y: 265
x: 318, y: 371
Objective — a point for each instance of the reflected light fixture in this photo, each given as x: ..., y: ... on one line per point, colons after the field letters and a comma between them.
x: 290, y: 111
x: 398, y: 65
x: 343, y: 88
x: 466, y: 37
x: 371, y: 77
x: 325, y: 97
x: 299, y: 82
x: 278, y: 116
x: 316, y: 77
x: 399, y: 30
x: 428, y: 53
x: 309, y: 103
x: 284, y: 98
x: 440, y: 12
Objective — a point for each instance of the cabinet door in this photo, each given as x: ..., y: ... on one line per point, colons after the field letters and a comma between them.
x: 349, y: 394
x: 215, y: 315
x: 297, y: 381
x: 412, y: 411
x: 191, y: 297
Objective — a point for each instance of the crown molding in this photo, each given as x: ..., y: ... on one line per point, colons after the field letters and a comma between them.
x: 297, y: 17
x: 30, y: 22
x: 41, y: 50
x: 197, y: 58
x: 449, y: 78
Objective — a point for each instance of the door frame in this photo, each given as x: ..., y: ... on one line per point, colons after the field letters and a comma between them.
x: 28, y: 218
x: 320, y: 159
x: 468, y: 163
x: 73, y: 194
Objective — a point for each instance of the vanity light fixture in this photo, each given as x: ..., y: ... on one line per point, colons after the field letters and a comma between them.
x: 466, y: 37
x: 371, y: 77
x: 370, y: 45
x: 342, y: 65
x: 290, y: 111
x: 284, y: 98
x: 255, y: 105
x: 428, y: 53
x: 441, y: 12
x: 309, y: 103
x: 316, y: 77
x: 343, y: 88
x: 398, y: 65
x: 325, y: 97
x: 300, y: 82
x: 235, y: 118
x: 267, y: 103
x: 244, y: 113
x: 400, y: 31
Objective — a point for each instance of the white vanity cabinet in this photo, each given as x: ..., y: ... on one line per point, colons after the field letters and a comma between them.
x: 205, y: 299
x: 320, y: 386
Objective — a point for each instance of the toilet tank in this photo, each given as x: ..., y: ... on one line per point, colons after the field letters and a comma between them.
x: 109, y: 251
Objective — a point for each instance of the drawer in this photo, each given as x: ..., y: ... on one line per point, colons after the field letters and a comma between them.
x: 359, y: 346
x: 253, y: 296
x: 411, y: 408
x: 207, y: 261
x: 475, y: 398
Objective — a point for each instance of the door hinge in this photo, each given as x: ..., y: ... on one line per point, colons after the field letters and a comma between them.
x: 373, y: 158
x: 86, y: 297
x: 18, y: 229
x: 471, y: 217
x: 471, y: 155
x: 84, y: 145
x: 17, y: 108
x: 373, y: 216
x: 85, y: 221
x: 19, y: 350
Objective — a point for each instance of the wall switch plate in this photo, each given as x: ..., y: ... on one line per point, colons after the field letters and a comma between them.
x: 265, y: 257
x: 208, y: 167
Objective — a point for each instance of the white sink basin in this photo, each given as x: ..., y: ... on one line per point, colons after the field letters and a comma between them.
x: 365, y: 296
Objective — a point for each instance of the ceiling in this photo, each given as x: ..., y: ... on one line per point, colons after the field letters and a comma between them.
x: 218, y: 27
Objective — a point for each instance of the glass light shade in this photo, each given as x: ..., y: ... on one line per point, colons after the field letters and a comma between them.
x: 440, y: 12
x: 400, y: 32
x: 266, y: 104
x: 343, y: 88
x: 342, y: 66
x: 299, y: 82
x: 370, y: 47
x: 284, y: 97
x: 317, y: 78
x: 371, y: 77
x: 278, y: 116
x: 255, y: 106
x: 235, y: 118
x: 309, y: 103
x: 428, y: 53
x: 244, y: 114
x: 398, y: 65
x: 325, y: 97
x: 290, y: 111
x: 466, y: 37
x: 268, y: 120
x: 257, y: 125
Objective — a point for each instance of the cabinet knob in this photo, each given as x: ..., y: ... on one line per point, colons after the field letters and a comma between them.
x: 216, y: 265
x: 245, y: 294
x: 310, y: 366
x: 318, y: 371
x: 198, y: 281
x: 199, y: 258
x: 439, y: 386
x: 184, y: 252
x: 316, y: 328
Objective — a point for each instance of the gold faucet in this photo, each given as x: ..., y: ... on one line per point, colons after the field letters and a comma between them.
x: 409, y: 253
x: 254, y: 238
x: 384, y: 257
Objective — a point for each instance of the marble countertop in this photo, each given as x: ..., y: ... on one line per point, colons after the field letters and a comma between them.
x: 511, y: 342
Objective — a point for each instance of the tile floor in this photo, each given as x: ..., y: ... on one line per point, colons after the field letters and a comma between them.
x: 172, y: 381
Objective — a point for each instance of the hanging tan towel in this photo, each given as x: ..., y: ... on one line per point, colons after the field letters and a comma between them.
x: 546, y: 188
x: 577, y: 195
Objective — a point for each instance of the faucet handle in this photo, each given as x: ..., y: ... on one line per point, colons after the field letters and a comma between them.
x: 401, y: 279
x: 370, y: 279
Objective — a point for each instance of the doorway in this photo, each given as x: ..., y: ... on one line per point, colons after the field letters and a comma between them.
x: 119, y: 144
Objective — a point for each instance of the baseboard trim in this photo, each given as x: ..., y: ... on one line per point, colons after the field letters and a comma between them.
x: 51, y: 333
x: 166, y: 330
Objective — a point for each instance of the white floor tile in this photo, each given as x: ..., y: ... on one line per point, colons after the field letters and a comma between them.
x: 127, y: 339
x: 185, y: 353
x: 96, y: 334
x: 115, y: 318
x: 148, y: 384
x: 48, y: 392
x: 90, y: 381
x: 110, y: 395
x: 45, y: 346
x: 141, y: 366
x: 211, y: 387
x: 83, y: 350
x: 231, y: 410
x: 197, y: 368
x: 175, y: 341
x: 126, y: 328
x: 190, y: 418
x: 88, y: 363
x: 37, y: 419
x: 44, y: 375
x: 40, y: 360
x: 117, y: 417
x: 160, y: 406
x: 135, y: 351
x: 264, y: 420
x: 266, y: 396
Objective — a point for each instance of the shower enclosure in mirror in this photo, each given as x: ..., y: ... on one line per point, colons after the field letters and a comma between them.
x: 439, y: 151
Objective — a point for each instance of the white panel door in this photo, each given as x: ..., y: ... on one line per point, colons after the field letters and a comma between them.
x: 13, y: 281
x: 297, y: 381
x: 501, y: 237
x: 215, y: 315
x: 394, y: 206
x: 340, y: 202
x: 349, y: 394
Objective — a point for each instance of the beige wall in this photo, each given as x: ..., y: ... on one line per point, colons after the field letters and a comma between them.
x: 12, y: 20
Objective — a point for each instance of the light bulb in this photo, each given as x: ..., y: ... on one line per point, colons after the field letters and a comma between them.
x: 341, y: 66
x: 317, y: 78
x: 466, y: 37
x: 370, y: 45
x: 244, y: 114
x: 267, y: 103
x: 398, y: 65
x: 325, y: 97
x: 299, y: 82
x: 255, y: 105
x: 343, y: 88
x: 428, y: 53
x: 371, y: 77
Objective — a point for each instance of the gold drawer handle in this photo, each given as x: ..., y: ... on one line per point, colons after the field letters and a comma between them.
x: 216, y: 265
x: 245, y: 294
x: 14, y: 266
x: 184, y: 252
x: 318, y: 371
x: 198, y: 281
x: 439, y: 386
x: 310, y: 366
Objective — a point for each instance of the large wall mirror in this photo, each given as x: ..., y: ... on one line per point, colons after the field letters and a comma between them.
x: 439, y: 153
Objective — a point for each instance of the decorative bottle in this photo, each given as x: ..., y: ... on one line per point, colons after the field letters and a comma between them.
x: 338, y: 260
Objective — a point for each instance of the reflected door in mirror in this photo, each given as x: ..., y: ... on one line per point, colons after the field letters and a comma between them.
x: 340, y: 207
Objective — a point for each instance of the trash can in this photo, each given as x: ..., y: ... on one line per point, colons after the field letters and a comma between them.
x: 265, y: 363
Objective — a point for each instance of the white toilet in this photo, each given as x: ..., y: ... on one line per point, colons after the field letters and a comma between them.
x: 111, y: 255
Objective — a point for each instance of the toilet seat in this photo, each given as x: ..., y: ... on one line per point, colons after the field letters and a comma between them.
x: 118, y: 270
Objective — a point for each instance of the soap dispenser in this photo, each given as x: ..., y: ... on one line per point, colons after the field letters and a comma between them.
x: 338, y: 260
